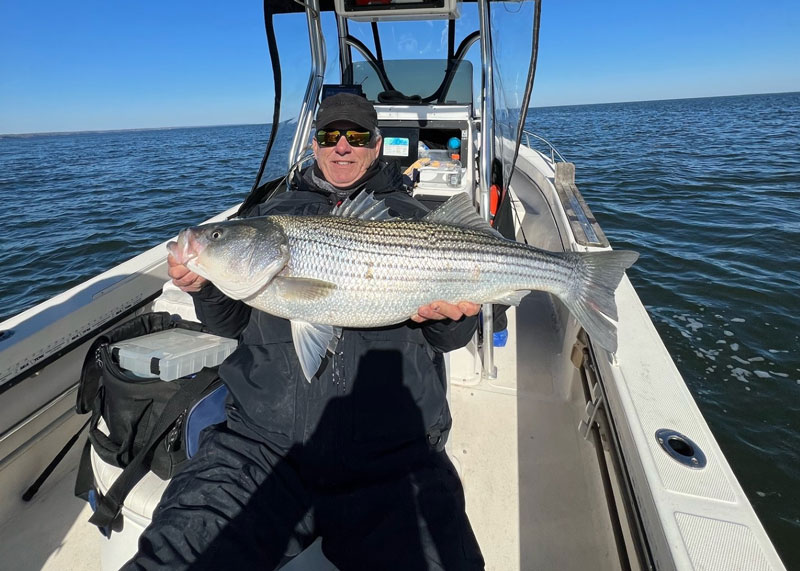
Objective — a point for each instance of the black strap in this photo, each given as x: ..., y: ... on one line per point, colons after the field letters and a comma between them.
x: 30, y: 492
x: 84, y: 481
x: 109, y: 505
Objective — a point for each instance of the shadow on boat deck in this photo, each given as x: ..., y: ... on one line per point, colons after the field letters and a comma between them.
x: 368, y: 480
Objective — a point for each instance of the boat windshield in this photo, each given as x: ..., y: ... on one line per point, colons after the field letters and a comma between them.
x: 407, y: 62
x: 514, y: 28
x: 412, y: 62
x: 427, y: 62
x: 414, y: 80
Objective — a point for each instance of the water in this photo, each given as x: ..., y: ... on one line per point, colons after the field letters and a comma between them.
x: 707, y: 190
x: 75, y: 205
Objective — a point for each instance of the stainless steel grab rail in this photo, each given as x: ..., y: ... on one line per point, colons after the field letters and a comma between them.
x: 553, y: 151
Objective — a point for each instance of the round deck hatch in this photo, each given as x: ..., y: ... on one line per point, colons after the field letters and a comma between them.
x: 681, y: 448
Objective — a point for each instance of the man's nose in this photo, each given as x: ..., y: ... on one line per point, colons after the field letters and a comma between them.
x: 342, y: 146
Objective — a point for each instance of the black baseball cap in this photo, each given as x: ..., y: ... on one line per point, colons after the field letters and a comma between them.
x: 347, y: 107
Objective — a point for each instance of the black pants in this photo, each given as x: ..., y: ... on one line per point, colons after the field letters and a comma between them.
x: 238, y: 505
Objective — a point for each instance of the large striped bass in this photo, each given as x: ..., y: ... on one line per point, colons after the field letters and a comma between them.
x: 360, y: 268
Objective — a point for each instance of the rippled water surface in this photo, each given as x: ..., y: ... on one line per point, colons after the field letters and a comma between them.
x: 75, y: 205
x: 707, y: 190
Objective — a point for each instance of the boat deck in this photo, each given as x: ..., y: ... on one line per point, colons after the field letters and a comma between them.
x: 51, y: 532
x: 531, y: 496
x: 527, y: 472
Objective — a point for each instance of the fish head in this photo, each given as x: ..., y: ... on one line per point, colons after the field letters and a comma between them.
x: 240, y: 257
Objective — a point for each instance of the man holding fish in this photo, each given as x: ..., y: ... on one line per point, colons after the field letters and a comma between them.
x: 334, y: 430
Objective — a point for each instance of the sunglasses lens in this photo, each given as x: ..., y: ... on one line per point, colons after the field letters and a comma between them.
x: 358, y: 138
x: 327, y: 138
x: 331, y: 138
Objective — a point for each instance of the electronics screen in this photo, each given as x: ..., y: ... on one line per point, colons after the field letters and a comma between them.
x: 332, y: 89
x: 374, y: 10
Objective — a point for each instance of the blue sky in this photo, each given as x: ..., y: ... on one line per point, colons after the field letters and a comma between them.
x: 111, y: 64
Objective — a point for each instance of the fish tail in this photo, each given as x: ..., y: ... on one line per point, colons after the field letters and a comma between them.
x: 590, y: 297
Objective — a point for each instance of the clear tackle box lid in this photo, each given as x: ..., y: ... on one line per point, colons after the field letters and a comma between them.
x: 172, y: 354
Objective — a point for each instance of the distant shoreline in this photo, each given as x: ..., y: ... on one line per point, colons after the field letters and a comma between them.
x: 662, y: 100
x: 135, y: 129
x: 125, y: 130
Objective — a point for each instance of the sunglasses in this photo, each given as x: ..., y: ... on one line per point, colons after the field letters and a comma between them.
x: 354, y: 138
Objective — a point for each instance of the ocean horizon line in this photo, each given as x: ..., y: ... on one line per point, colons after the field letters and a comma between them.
x: 173, y: 127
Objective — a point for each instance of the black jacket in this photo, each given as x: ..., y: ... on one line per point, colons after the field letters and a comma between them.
x: 382, y: 394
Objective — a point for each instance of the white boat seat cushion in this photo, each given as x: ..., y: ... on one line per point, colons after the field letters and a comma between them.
x: 176, y: 302
x: 144, y: 496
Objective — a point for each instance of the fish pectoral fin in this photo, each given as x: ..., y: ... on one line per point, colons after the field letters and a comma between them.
x: 302, y: 289
x: 312, y: 342
x: 459, y: 211
x: 511, y: 298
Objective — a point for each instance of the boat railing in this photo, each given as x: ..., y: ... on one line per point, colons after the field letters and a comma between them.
x: 552, y: 150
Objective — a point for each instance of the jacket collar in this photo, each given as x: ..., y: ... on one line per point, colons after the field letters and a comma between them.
x: 380, y: 178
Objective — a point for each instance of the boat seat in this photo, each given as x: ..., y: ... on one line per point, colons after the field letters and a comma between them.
x: 137, y: 512
x: 141, y: 502
x: 146, y: 494
x: 176, y: 302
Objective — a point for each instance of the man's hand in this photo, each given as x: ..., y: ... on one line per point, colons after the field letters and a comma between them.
x: 183, y: 277
x: 443, y: 310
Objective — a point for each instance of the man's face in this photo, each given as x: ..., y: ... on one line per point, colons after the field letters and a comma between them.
x: 342, y: 164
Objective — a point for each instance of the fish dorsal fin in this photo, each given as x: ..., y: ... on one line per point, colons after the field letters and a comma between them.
x: 364, y: 206
x: 459, y: 211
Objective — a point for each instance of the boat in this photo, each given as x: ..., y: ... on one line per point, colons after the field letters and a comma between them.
x: 571, y: 456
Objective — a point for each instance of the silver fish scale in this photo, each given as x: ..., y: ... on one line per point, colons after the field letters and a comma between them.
x: 384, y: 271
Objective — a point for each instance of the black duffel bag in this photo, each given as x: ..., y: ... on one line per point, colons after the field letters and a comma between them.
x: 144, y: 417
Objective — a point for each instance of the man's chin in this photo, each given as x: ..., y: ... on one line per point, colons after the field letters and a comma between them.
x: 343, y: 182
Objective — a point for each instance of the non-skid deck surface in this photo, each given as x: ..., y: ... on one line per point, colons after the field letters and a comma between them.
x: 51, y: 533
x: 531, y: 497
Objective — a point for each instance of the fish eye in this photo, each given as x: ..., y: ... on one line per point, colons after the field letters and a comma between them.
x: 216, y: 233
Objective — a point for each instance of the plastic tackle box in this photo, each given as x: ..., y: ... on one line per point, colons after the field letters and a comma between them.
x: 441, y: 174
x: 172, y: 354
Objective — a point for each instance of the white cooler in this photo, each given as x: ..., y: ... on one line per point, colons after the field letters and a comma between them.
x: 136, y: 512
